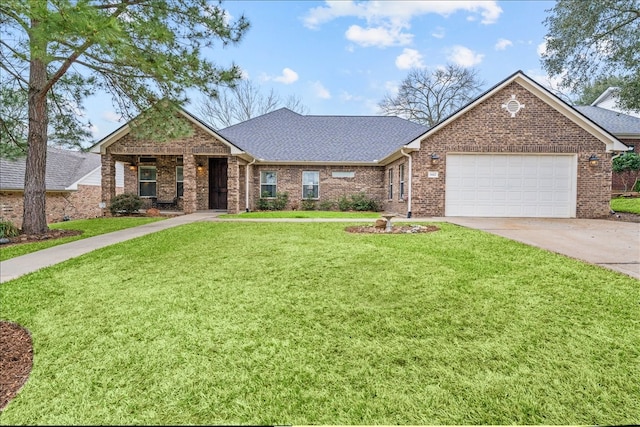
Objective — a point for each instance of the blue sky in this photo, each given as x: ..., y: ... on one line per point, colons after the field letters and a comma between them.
x: 342, y: 57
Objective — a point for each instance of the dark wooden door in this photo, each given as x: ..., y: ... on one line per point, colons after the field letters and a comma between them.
x: 218, y: 183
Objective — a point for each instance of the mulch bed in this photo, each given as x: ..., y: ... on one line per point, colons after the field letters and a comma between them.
x: 50, y: 234
x: 395, y: 229
x: 16, y: 360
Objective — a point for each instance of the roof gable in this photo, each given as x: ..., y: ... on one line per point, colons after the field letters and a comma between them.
x: 101, y: 146
x: 611, y: 142
x: 286, y: 136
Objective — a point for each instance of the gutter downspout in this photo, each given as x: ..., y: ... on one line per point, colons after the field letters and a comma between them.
x: 410, y: 190
x: 246, y: 184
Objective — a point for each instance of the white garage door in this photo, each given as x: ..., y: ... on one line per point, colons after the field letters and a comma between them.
x: 511, y: 185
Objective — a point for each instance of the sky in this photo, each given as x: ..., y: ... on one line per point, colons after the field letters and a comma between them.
x: 342, y: 57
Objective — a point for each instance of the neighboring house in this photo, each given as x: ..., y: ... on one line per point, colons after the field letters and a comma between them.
x: 625, y: 127
x: 73, y: 186
x: 515, y: 151
x: 609, y: 101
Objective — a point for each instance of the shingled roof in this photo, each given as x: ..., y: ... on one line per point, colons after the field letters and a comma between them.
x: 286, y: 136
x: 612, y: 121
x: 64, y: 168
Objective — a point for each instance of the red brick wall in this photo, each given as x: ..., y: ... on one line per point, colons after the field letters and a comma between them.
x: 537, y: 128
x: 81, y: 204
x: 201, y: 145
x: 366, y: 179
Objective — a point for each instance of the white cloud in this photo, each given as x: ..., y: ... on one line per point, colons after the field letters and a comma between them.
x: 502, y: 44
x: 401, y: 11
x: 387, y: 22
x: 542, y: 48
x: 320, y: 90
x: 112, y: 116
x: 410, y: 58
x: 288, y: 76
x: 438, y: 33
x: 464, y: 57
x: 379, y: 36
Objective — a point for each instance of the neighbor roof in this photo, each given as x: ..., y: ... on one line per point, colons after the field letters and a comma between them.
x: 613, y: 121
x: 64, y: 168
x: 286, y: 136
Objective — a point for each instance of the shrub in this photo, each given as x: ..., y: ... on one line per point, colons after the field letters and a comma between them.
x: 127, y: 203
x: 308, y: 204
x: 266, y: 203
x: 358, y: 202
x: 344, y: 204
x: 8, y: 229
x: 326, y: 205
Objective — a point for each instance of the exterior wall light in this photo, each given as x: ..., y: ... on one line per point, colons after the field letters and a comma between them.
x: 132, y: 166
x: 200, y: 167
x: 434, y: 158
x: 594, y: 160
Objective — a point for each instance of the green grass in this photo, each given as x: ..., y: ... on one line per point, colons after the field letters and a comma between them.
x: 89, y: 227
x: 303, y: 214
x: 288, y: 323
x: 624, y: 204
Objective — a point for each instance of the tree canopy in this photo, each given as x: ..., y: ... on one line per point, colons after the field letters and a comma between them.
x: 55, y: 53
x: 591, y: 40
x: 428, y: 97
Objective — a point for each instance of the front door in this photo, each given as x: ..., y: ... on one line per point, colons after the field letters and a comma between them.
x: 218, y: 183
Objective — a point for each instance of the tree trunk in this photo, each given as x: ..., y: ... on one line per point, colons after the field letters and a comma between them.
x: 34, y: 219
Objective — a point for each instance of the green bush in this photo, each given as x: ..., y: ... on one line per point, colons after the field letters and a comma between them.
x: 8, y: 229
x: 326, y: 205
x: 308, y: 204
x: 358, y: 202
x: 266, y: 203
x: 127, y: 203
x: 344, y: 204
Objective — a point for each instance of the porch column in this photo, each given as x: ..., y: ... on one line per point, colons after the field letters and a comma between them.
x: 108, y: 178
x: 189, y: 197
x: 233, y: 185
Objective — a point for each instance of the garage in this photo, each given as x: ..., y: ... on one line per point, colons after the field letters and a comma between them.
x: 511, y: 185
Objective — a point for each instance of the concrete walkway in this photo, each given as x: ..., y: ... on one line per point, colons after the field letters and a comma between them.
x: 611, y: 244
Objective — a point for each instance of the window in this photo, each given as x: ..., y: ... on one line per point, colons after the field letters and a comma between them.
x: 179, y: 181
x: 268, y: 183
x: 401, y: 175
x: 310, y: 185
x: 390, y: 183
x: 147, y: 181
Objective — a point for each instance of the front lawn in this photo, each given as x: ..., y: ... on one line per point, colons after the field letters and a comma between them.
x: 626, y: 204
x: 280, y: 323
x: 89, y: 228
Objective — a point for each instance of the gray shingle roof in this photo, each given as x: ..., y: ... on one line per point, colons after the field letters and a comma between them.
x: 64, y: 167
x: 614, y: 122
x: 284, y: 135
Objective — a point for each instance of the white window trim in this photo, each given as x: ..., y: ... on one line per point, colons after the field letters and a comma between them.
x: 304, y: 185
x: 140, y: 180
x: 401, y: 179
x: 390, y: 194
x: 177, y: 167
x: 264, y: 183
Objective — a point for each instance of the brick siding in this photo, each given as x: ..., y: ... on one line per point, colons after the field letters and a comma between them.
x: 81, y: 204
x: 367, y: 179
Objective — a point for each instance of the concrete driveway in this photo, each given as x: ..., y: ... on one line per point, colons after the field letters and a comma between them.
x: 611, y: 244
